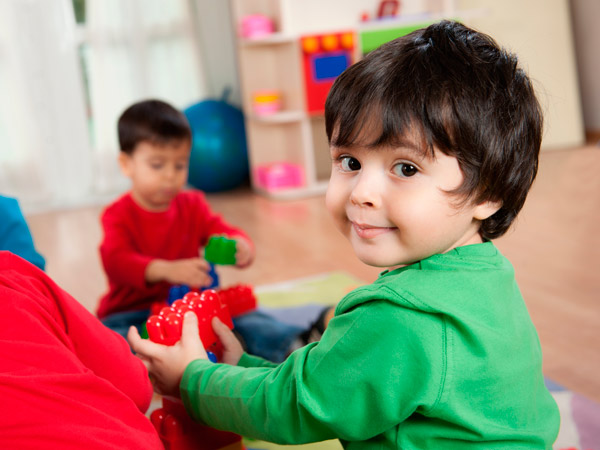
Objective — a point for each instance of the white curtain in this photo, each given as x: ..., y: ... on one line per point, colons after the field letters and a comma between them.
x: 58, y: 143
x: 137, y: 49
x: 45, y: 157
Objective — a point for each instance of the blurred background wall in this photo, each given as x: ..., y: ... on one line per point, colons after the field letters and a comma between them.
x: 69, y: 67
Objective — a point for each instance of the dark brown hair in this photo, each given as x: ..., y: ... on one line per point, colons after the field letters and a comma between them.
x: 153, y: 121
x: 464, y: 95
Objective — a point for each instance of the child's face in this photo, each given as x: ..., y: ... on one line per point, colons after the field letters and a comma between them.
x: 390, y: 203
x: 157, y: 172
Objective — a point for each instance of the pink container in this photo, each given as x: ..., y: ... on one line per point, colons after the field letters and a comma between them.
x: 255, y: 26
x: 279, y: 175
x: 266, y: 102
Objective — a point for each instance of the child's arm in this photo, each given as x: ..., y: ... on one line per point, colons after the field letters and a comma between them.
x: 166, y: 364
x: 191, y: 271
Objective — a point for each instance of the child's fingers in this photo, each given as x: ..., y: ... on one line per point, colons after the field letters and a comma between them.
x: 225, y: 335
x: 189, y: 332
x: 142, y: 347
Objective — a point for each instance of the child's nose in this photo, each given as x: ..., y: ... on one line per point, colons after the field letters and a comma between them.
x: 367, y: 190
x: 170, y: 173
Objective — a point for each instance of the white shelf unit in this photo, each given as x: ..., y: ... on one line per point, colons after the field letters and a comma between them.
x: 290, y: 135
x: 274, y: 62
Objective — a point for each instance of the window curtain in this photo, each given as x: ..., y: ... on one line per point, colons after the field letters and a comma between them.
x: 45, y: 157
x: 63, y: 87
x: 136, y: 49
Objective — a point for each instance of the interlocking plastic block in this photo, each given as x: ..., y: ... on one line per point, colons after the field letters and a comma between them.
x: 220, y: 250
x: 240, y: 299
x: 165, y: 327
x: 178, y: 431
x: 176, y: 292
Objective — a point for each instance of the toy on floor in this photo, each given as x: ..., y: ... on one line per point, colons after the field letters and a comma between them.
x: 220, y: 250
x: 174, y: 426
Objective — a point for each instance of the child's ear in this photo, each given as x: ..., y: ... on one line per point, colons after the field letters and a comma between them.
x: 486, y: 209
x: 125, y: 164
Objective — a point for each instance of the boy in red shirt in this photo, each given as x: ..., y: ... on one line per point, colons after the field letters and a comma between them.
x: 153, y: 234
x: 66, y: 382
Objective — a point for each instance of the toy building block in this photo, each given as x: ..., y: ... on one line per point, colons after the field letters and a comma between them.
x: 239, y: 299
x: 176, y: 429
x: 220, y: 250
x: 165, y: 327
x: 176, y: 292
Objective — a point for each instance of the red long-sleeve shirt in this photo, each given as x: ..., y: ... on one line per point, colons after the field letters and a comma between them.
x: 134, y: 236
x: 66, y: 381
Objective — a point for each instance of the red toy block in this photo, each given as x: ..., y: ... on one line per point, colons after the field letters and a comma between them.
x: 239, y: 299
x: 165, y: 327
x: 175, y: 428
x: 178, y: 431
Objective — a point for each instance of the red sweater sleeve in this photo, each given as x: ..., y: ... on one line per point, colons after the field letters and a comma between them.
x: 66, y: 381
x: 124, y: 262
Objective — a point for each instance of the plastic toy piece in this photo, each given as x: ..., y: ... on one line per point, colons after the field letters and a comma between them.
x: 175, y: 428
x: 178, y: 431
x: 176, y: 292
x: 388, y: 8
x: 256, y: 26
x: 220, y: 250
x: 239, y: 299
x: 324, y: 57
x: 279, y: 175
x: 266, y: 102
x: 165, y: 327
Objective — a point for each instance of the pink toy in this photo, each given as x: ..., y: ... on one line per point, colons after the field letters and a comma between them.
x: 266, y: 102
x: 256, y: 26
x: 279, y: 175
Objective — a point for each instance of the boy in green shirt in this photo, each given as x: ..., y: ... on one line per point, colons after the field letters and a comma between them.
x: 434, y: 142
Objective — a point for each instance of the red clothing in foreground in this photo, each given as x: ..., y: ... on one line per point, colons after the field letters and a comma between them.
x: 133, y: 237
x: 66, y: 381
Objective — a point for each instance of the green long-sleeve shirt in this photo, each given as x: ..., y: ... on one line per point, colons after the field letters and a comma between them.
x: 438, y: 355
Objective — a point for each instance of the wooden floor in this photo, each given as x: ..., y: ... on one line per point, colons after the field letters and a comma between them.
x: 555, y: 248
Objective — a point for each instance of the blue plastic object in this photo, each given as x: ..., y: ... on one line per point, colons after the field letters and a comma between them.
x: 219, y: 157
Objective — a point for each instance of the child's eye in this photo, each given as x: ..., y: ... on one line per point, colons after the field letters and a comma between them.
x: 349, y: 164
x: 405, y: 170
x: 156, y: 165
x: 181, y: 166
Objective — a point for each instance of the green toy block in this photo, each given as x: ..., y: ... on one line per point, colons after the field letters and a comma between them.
x: 220, y: 250
x: 144, y: 331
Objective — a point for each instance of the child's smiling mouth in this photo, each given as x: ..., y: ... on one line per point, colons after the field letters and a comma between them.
x: 365, y: 231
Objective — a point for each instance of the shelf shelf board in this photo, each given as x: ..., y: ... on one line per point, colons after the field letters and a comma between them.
x: 270, y: 39
x: 280, y: 117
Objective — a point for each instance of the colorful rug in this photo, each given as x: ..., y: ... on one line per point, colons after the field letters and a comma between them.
x: 299, y: 302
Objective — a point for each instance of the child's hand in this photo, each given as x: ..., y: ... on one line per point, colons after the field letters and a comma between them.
x: 244, y: 252
x: 166, y: 364
x: 232, y: 349
x: 191, y: 271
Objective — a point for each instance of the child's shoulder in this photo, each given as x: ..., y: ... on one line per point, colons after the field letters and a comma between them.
x: 429, y: 284
x: 123, y: 203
